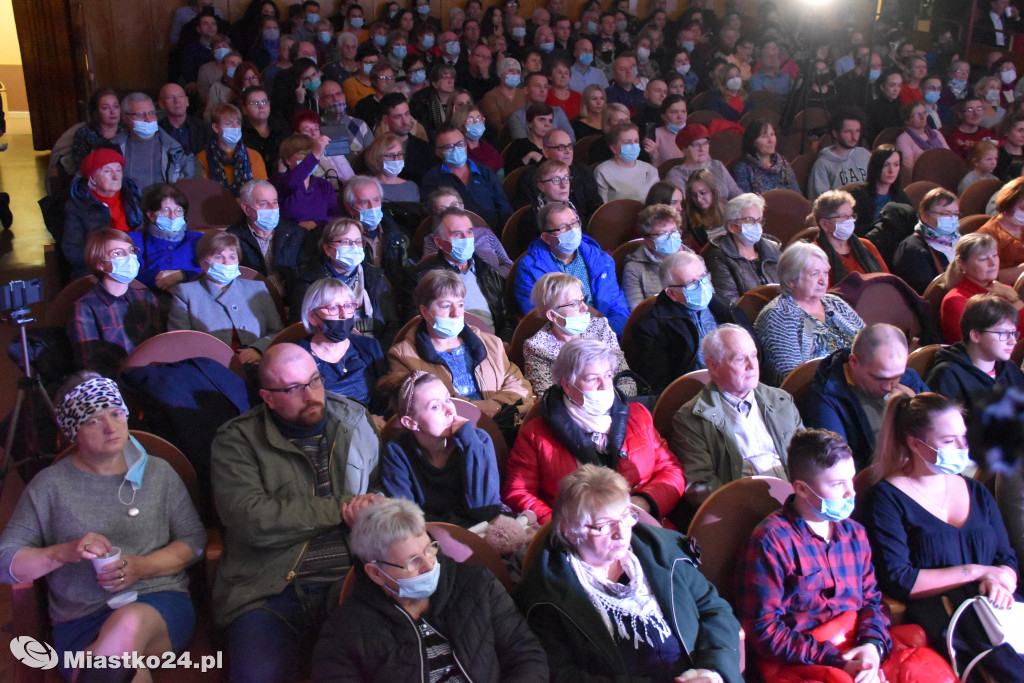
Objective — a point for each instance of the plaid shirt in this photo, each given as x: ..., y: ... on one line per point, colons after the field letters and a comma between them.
x: 101, y: 320
x: 790, y: 581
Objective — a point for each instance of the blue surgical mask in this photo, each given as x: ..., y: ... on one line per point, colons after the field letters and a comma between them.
x: 231, y: 136
x: 393, y: 167
x: 428, y: 41
x: 643, y: 53
x: 349, y: 257
x: 223, y: 273
x: 948, y: 459
x: 957, y: 83
x: 145, y: 129
x: 666, y: 245
x: 947, y: 225
x: 834, y: 509
x: 166, y: 224
x: 417, y: 77
x: 673, y: 129
x: 475, y: 131
x: 519, y: 32
x: 547, y: 47
x: 699, y: 300
x: 452, y: 47
x: 313, y: 85
x: 399, y: 51
x: 448, y: 328
x: 220, y: 52
x: 267, y: 219
x: 629, y: 153
x: 932, y: 96
x: 873, y: 74
x: 750, y: 233
x: 312, y: 18
x: 587, y: 58
x: 231, y: 71
x: 324, y: 37
x: 271, y: 34
x: 687, y: 45
x: 124, y: 269
x: 455, y: 157
x: 367, y: 68
x: 569, y: 241
x: 512, y: 80
x: 371, y: 218
x: 380, y: 40
x: 424, y: 10
x: 462, y: 249
x: 575, y: 324
x: 356, y: 22
x: 591, y: 27
x: 683, y: 69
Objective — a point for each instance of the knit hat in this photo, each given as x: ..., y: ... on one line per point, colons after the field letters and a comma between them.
x: 98, y: 158
x: 690, y: 134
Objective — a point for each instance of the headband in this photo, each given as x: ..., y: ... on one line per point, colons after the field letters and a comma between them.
x: 84, y: 401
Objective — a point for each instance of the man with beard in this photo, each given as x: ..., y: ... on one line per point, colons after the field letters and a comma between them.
x: 290, y: 477
x: 841, y: 163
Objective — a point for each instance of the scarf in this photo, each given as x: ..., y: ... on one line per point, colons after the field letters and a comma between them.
x: 166, y: 235
x: 217, y: 159
x: 860, y: 252
x: 618, y: 603
x: 930, y: 141
x: 596, y: 426
x: 779, y: 168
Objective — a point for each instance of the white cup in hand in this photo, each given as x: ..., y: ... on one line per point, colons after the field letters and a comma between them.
x: 100, y: 562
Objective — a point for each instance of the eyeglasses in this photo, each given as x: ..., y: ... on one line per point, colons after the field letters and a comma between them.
x: 385, y: 78
x: 476, y: 119
x: 748, y: 220
x: 453, y: 146
x: 394, y: 156
x: 417, y: 564
x: 578, y: 304
x: 845, y: 217
x: 971, y: 110
x: 167, y: 212
x: 560, y: 148
x: 693, y: 286
x: 140, y: 114
x: 1004, y: 335
x: 297, y: 389
x: 336, y: 309
x: 628, y: 521
x: 659, y: 235
x: 121, y: 253
x: 258, y: 103
x: 346, y: 243
x: 565, y: 227
x: 703, y: 142
x: 559, y: 180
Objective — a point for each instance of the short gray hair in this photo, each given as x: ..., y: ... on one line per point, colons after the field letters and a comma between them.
x: 245, y: 194
x: 581, y: 494
x: 509, y: 64
x: 741, y: 203
x: 318, y: 295
x: 346, y: 35
x: 337, y: 228
x: 875, y: 337
x: 381, y: 525
x: 438, y: 227
x: 549, y: 287
x: 354, y: 183
x: 654, y: 215
x: 670, y: 263
x: 793, y: 261
x: 576, y: 355
x: 134, y: 97
x: 714, y: 345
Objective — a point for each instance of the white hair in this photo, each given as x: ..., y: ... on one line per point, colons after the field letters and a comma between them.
x: 793, y: 261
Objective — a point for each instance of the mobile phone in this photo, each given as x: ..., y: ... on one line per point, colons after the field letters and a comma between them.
x: 339, y: 144
x: 649, y: 130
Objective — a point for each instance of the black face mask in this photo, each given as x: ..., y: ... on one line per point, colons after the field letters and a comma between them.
x: 338, y: 330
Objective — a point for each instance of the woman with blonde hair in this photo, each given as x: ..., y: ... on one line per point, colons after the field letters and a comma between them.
x: 385, y: 159
x: 973, y: 270
x: 592, y: 105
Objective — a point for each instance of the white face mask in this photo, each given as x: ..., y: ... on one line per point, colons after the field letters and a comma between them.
x: 844, y: 229
x: 598, y: 401
x: 1008, y: 77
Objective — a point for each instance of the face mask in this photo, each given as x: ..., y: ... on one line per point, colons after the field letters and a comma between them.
x: 700, y: 300
x: 547, y: 47
x: 223, y: 273
x: 947, y: 225
x: 873, y: 74
x: 231, y: 71
x: 948, y: 460
x: 220, y: 52
x: 462, y: 249
x: 124, y: 269
x: 734, y: 83
x: 992, y: 97
x: 337, y: 108
x: 598, y: 401
x: 356, y: 22
x: 324, y: 37
x: 428, y: 41
x: 166, y: 224
x: 629, y: 153
x: 687, y: 45
x: 474, y: 131
x: 620, y: 25
x: 1008, y: 77
x: 349, y: 257
x: 750, y: 234
x: 231, y: 136
x: 417, y: 77
x: 931, y: 97
x: 673, y: 129
x: 424, y: 585
x: 452, y: 47
x: 393, y: 167
x: 844, y: 229
x: 519, y: 32
x: 607, y: 55
x: 957, y: 83
x: 587, y: 58
x: 683, y: 69
x: 424, y: 10
x: 399, y: 51
x: 312, y: 18
x: 313, y: 85
x: 568, y: 242
x: 367, y: 68
x: 666, y: 245
x: 455, y: 157
x: 147, y: 129
x: 575, y: 324
x: 834, y: 509
x: 267, y: 219
x: 338, y: 330
x: 371, y: 218
x: 512, y: 80
x: 447, y: 328
x: 643, y: 53
x: 271, y: 34
x: 380, y: 40
x: 591, y: 27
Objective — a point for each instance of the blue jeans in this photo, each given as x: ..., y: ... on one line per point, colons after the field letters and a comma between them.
x: 275, y: 642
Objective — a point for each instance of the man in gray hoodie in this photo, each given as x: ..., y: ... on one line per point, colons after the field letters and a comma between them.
x: 842, y: 163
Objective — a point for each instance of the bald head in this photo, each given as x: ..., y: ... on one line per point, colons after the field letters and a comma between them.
x: 878, y: 338
x: 280, y: 358
x: 878, y: 359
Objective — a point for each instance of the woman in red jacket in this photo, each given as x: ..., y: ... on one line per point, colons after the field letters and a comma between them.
x: 583, y: 421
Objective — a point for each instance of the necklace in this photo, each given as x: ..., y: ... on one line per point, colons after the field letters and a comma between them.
x: 945, y: 495
x: 132, y: 510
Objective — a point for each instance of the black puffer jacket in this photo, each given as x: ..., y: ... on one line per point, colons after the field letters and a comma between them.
x: 370, y: 638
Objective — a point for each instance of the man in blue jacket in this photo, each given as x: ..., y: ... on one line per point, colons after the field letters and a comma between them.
x: 850, y: 389
x: 562, y: 247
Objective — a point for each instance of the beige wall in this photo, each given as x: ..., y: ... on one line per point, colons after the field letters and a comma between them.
x: 10, y: 61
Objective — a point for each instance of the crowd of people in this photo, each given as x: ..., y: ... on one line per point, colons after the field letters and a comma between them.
x: 415, y: 191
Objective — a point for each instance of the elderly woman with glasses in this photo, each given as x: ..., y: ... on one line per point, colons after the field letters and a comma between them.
x: 744, y: 257
x: 973, y: 270
x: 846, y: 252
x: 167, y: 250
x: 582, y: 420
x: 804, y: 321
x: 416, y: 615
x: 112, y: 530
x: 661, y: 228
x: 615, y: 599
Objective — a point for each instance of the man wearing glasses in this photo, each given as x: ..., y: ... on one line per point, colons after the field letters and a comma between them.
x: 562, y: 247
x: 851, y: 386
x: 151, y: 155
x: 382, y: 78
x: 477, y: 185
x: 970, y: 131
x: 290, y: 477
x: 583, y: 195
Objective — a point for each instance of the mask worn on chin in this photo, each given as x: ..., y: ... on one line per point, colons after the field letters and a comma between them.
x: 834, y: 509
x: 349, y: 257
x: 844, y: 229
x: 448, y: 328
x: 424, y: 585
x: 948, y: 460
x: 147, y: 129
x: 673, y: 129
x: 338, y: 330
x: 166, y: 224
x: 223, y: 273
x: 124, y: 269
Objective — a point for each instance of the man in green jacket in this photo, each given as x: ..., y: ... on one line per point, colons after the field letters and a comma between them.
x: 289, y: 478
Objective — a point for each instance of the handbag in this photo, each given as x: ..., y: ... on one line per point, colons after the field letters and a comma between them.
x: 1002, y: 627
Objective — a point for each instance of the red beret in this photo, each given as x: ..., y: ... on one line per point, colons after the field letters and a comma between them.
x: 98, y: 158
x: 691, y: 133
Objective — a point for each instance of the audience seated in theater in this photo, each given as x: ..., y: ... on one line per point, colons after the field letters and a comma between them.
x: 671, y: 120
x: 583, y: 421
x: 428, y: 105
x: 57, y: 524
x: 804, y: 321
x: 660, y: 226
x: 851, y: 387
x: 369, y: 109
x: 562, y: 247
x: 261, y: 130
x: 843, y: 162
x: 225, y: 86
x: 787, y: 616
x: 886, y: 110
x: 108, y: 322
x: 191, y: 132
x: 667, y: 623
x: 439, y: 460
x: 212, y: 71
x: 1007, y: 228
x: 762, y: 168
x: 101, y: 129
x: 969, y: 131
x: 847, y: 253
x: 471, y: 362
x: 227, y: 160
x: 239, y: 312
x: 528, y: 149
x: 334, y: 164
x: 268, y: 244
x: 926, y: 254
x: 560, y: 94
x: 582, y: 186
x: 936, y: 535
x: 304, y: 199
x: 729, y: 98
x: 735, y: 427
x: 101, y: 197
x: 272, y: 599
x: 650, y: 113
x: 973, y: 270
x: 882, y: 186
x: 385, y: 159
x: 358, y: 86
x: 624, y: 176
x: 167, y: 250
x: 349, y: 135
x: 485, y: 243
x: 469, y: 119
x: 499, y: 104
x: 295, y: 89
x: 917, y: 137
x: 593, y: 103
x: 744, y: 257
x: 693, y: 141
x: 982, y: 159
x: 419, y: 154
x: 704, y: 208
x: 624, y: 87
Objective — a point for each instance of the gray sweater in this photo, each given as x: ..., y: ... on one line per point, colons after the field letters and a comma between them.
x: 63, y: 503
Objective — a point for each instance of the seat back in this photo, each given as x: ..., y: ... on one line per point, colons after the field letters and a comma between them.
x: 802, y: 168
x: 527, y: 327
x: 766, y: 100
x: 510, y: 234
x: 919, y: 188
x: 210, y: 204
x: 800, y: 378
x: 58, y: 313
x: 295, y: 332
x: 887, y: 136
x: 666, y: 166
x: 882, y: 300
x: 922, y: 358
x: 247, y: 273
x: 581, y: 150
x: 769, y: 114
x: 942, y: 166
x: 462, y: 545
x: 702, y: 116
x: 975, y: 196
x: 753, y: 301
x: 681, y: 390
x: 613, y: 222
x: 973, y: 223
x: 810, y: 120
x: 934, y: 294
x: 620, y: 254
x: 171, y: 347
x: 784, y: 213
x: 628, y: 347
x: 725, y: 521
x: 726, y: 145
x: 511, y: 180
x: 805, y: 235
